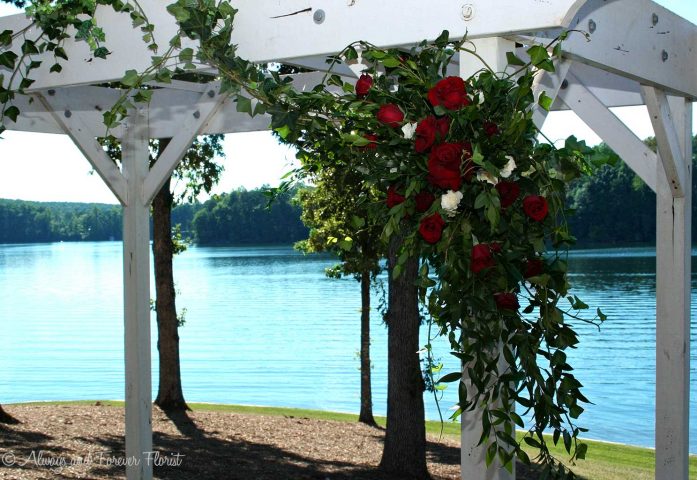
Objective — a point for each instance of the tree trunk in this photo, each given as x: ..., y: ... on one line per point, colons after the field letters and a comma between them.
x: 366, y: 415
x: 405, y: 439
x: 169, y: 394
x: 7, y: 418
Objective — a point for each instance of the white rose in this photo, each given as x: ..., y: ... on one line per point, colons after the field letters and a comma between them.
x: 484, y: 176
x: 408, y: 129
x: 508, y: 168
x: 450, y: 201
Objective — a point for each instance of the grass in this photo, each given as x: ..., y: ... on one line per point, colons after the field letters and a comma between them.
x: 604, y: 461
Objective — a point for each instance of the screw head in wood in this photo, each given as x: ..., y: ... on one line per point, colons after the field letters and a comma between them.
x: 467, y: 12
x: 319, y: 16
x: 592, y: 26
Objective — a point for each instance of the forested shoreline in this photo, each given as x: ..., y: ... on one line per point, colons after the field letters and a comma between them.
x: 611, y: 207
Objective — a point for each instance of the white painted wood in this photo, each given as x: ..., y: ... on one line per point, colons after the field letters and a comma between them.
x: 626, y: 42
x: 83, y: 136
x: 168, y: 160
x: 136, y: 278
x: 472, y: 456
x: 607, y: 126
x: 667, y: 138
x: 549, y: 83
x: 673, y: 272
x: 296, y: 37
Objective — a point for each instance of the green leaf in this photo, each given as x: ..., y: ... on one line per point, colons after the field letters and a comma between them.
x: 12, y: 113
x: 244, y: 104
x: 512, y: 59
x: 101, y: 52
x: 5, y: 38
x: 8, y: 59
x: 538, y: 54
x: 581, y: 450
x: 131, y: 78
x: 391, y: 62
x: 60, y: 53
x: 55, y: 68
x: 545, y: 101
x: 451, y: 377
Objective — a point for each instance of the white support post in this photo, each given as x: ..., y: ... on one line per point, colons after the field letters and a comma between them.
x: 673, y: 257
x: 640, y: 158
x: 136, y: 287
x: 472, y: 456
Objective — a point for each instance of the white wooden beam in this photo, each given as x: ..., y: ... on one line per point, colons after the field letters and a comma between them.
x: 168, y: 160
x: 136, y: 287
x: 294, y: 30
x: 673, y: 277
x: 670, y: 147
x: 549, y: 83
x: 607, y: 126
x: 82, y: 134
x: 638, y: 39
x: 473, y: 456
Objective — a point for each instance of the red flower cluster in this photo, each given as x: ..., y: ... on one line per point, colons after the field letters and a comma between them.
x: 363, y: 85
x: 429, y: 130
x: 431, y: 228
x: 507, y: 301
x: 390, y: 114
x: 535, y: 207
x: 450, y: 93
x: 482, y: 257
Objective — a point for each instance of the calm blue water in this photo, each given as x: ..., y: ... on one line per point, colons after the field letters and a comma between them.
x: 265, y: 327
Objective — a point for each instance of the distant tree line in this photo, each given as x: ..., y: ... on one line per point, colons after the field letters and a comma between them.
x: 611, y: 207
x: 239, y: 217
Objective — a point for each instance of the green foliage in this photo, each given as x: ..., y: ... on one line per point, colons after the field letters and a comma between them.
x: 241, y: 217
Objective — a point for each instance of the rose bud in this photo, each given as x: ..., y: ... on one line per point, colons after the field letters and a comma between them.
x: 535, y: 207
x: 534, y: 267
x: 363, y: 85
x: 431, y: 228
x: 373, y: 141
x: 490, y: 129
x: 390, y: 115
x: 508, y: 193
x: 424, y: 200
x: 481, y: 258
x: 506, y: 301
x: 449, y: 93
x: 393, y: 198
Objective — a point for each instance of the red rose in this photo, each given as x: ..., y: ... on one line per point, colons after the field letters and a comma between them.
x: 428, y: 130
x: 363, y: 85
x: 390, y: 115
x: 481, y: 258
x: 444, y: 166
x: 506, y: 301
x: 495, y: 247
x: 535, y: 207
x: 373, y: 141
x: 431, y: 228
x: 534, y: 267
x: 424, y: 200
x: 393, y: 198
x: 490, y: 129
x: 450, y: 93
x: 508, y: 193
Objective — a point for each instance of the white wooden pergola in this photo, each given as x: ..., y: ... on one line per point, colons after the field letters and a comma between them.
x: 639, y: 53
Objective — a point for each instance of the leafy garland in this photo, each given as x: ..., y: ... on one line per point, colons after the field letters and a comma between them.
x: 465, y: 183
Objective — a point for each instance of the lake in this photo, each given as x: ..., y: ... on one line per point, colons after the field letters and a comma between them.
x: 264, y: 326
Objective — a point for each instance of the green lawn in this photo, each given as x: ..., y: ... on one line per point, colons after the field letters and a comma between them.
x: 604, y: 461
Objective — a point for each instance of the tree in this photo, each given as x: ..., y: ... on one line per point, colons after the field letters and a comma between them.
x: 198, y: 172
x: 405, y: 439
x: 7, y: 418
x: 337, y: 212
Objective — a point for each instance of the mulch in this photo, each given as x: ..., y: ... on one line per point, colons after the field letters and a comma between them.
x: 86, y: 442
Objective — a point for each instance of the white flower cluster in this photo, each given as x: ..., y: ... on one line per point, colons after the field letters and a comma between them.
x: 506, y: 171
x: 450, y: 201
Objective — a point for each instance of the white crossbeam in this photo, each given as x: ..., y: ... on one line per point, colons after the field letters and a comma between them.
x: 82, y: 134
x: 638, y: 39
x: 168, y: 160
x: 607, y: 126
x: 667, y: 139
x: 673, y: 274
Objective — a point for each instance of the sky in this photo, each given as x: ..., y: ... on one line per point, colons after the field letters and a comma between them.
x: 46, y: 167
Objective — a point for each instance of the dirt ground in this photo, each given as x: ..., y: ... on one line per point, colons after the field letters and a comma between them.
x: 86, y: 442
